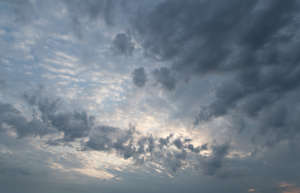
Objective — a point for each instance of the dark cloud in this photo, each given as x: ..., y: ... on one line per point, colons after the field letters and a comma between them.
x: 165, y: 77
x: 146, y: 149
x: 74, y: 124
x: 129, y: 144
x: 105, y: 138
x: 16, y: 120
x: 175, y: 160
x: 164, y: 141
x: 233, y: 64
x: 251, y: 43
x: 139, y: 77
x: 178, y: 143
x: 49, y: 117
x: 122, y: 44
x: 215, y: 162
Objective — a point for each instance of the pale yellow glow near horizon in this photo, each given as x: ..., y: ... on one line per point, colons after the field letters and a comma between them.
x: 95, y: 164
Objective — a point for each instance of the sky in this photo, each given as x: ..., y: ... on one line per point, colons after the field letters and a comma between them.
x: 160, y: 96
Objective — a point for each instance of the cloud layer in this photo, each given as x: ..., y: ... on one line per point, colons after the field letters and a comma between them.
x: 149, y: 96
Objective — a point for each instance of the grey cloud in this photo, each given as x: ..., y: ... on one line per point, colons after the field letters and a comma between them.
x: 139, y: 77
x: 122, y: 44
x: 164, y: 142
x: 105, y: 138
x: 46, y: 118
x: 23, y: 10
x: 15, y: 119
x: 178, y: 143
x: 165, y: 77
x: 74, y: 125
x: 251, y: 43
x: 266, y: 23
x: 250, y: 47
x: 171, y: 153
x: 192, y: 148
x: 146, y: 149
x: 195, y: 32
x: 49, y: 117
x: 92, y: 9
x: 175, y: 160
x: 215, y: 162
x: 2, y: 83
x: 124, y: 142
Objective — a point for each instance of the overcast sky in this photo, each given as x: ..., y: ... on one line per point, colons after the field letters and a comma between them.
x: 152, y: 96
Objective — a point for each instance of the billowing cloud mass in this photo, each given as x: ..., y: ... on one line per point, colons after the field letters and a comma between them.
x: 254, y: 42
x: 149, y: 96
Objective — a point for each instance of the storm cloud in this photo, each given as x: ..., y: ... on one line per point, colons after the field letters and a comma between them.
x: 254, y: 43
